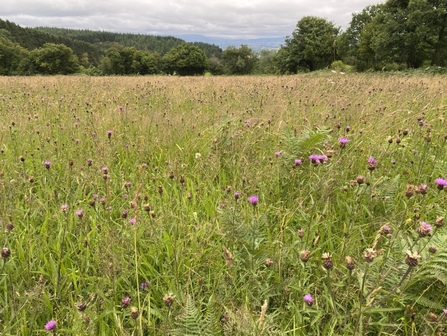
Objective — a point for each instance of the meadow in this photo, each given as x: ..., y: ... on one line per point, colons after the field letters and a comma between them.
x: 295, y: 205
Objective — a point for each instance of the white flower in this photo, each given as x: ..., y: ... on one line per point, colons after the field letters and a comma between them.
x: 198, y: 155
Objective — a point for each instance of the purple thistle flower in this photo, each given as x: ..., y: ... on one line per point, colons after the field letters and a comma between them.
x: 236, y: 195
x: 277, y: 154
x: 308, y: 299
x: 109, y: 133
x: 144, y: 285
x: 317, y: 158
x: 89, y: 162
x: 51, y: 326
x: 95, y: 196
x: 253, y: 200
x: 372, y: 161
x: 120, y: 107
x: 80, y: 213
x: 298, y: 162
x: 441, y: 183
x: 343, y: 141
x: 132, y: 221
x: 64, y: 207
x: 347, y: 128
x: 47, y: 164
x: 102, y: 200
x: 105, y: 170
x: 125, y: 302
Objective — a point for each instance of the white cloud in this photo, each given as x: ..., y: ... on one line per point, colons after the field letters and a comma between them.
x: 231, y: 18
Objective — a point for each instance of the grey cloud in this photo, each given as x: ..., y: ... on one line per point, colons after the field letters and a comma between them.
x: 247, y: 18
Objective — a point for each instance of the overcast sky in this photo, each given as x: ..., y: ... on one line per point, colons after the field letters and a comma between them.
x: 229, y: 18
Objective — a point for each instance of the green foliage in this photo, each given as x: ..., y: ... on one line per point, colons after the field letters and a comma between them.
x: 53, y: 59
x: 185, y: 60
x: 312, y: 46
x: 193, y: 323
x: 239, y: 61
x: 121, y: 60
x: 12, y: 56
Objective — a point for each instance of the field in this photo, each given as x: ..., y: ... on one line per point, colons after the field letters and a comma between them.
x: 298, y: 205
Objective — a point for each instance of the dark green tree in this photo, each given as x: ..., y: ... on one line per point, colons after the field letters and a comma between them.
x: 53, y: 59
x: 239, y: 61
x: 185, y: 60
x: 312, y: 46
x: 266, y: 64
x: 12, y: 57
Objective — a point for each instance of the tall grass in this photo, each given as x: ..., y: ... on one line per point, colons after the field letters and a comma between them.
x: 125, y: 205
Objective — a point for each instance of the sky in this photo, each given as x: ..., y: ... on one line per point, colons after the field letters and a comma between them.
x: 223, y: 18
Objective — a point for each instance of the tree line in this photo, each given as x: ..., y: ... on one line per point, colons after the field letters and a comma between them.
x: 396, y: 35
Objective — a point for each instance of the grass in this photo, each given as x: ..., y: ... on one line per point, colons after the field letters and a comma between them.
x: 138, y: 187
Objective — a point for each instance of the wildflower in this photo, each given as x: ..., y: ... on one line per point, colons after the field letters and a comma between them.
x: 236, y: 195
x: 412, y: 258
x: 268, y: 262
x: 369, y: 255
x: 79, y: 213
x: 253, y: 200
x: 300, y: 233
x: 132, y: 221
x: 298, y: 162
x: 327, y: 261
x: 343, y: 141
x: 349, y: 263
x: 424, y: 229
x: 51, y: 326
x: 308, y: 299
x: 360, y: 179
x: 198, y: 155
x: 385, y: 229
x: 372, y: 163
x: 47, y: 164
x: 89, y: 162
x: 247, y: 122
x: 109, y: 134
x: 5, y: 253
x: 441, y: 183
x: 304, y: 255
x: 120, y: 107
x: 125, y: 302
x: 64, y: 207
x: 134, y: 312
x: 144, y: 284
x: 445, y: 312
x: 347, y: 128
x: 421, y: 189
x: 315, y: 158
x: 277, y: 154
x: 105, y: 170
x: 168, y: 299
x: 81, y: 306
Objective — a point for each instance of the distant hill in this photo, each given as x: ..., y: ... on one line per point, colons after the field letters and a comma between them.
x: 257, y: 44
x: 152, y: 43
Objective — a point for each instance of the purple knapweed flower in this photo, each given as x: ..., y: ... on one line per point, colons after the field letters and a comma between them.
x: 308, y: 299
x: 64, y: 207
x: 105, y: 170
x: 372, y: 163
x: 445, y: 312
x: 93, y: 134
x: 144, y: 284
x: 125, y: 302
x: 80, y: 213
x: 47, y: 164
x: 89, y: 162
x: 441, y: 183
x: 132, y: 221
x: 102, y: 200
x: 317, y: 158
x: 109, y: 133
x: 236, y: 195
x: 343, y: 141
x: 95, y: 196
x: 128, y: 184
x: 347, y: 128
x: 298, y: 162
x: 277, y: 154
x: 51, y: 326
x: 424, y: 229
x: 120, y: 107
x: 253, y: 200
x: 247, y: 122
